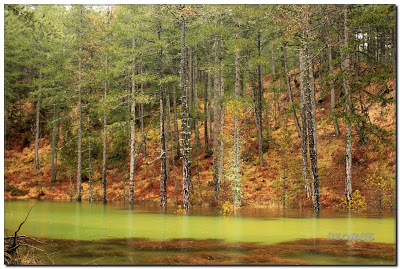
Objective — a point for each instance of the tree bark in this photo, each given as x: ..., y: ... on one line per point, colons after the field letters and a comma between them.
x: 346, y: 86
x: 104, y: 171
x: 304, y: 137
x: 287, y: 80
x: 209, y: 85
x: 37, y: 123
x: 222, y: 124
x: 176, y: 133
x: 185, y: 117
x: 141, y: 111
x: 259, y: 107
x: 217, y: 81
x: 90, y: 149
x: 163, y: 176
x: 132, y: 141
x: 311, y: 121
x: 79, y: 172
x: 195, y: 102
x: 54, y: 146
x: 206, y: 126
x: 332, y: 87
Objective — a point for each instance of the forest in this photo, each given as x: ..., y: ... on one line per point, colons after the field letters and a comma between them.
x: 188, y: 105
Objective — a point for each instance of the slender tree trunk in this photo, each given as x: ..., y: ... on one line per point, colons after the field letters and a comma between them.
x: 54, y: 146
x: 79, y: 172
x: 206, y: 126
x: 346, y: 86
x: 237, y: 193
x: 141, y: 108
x: 222, y: 125
x: 195, y: 101
x: 37, y: 124
x: 209, y: 85
x: 332, y: 87
x: 311, y: 122
x: 185, y: 117
x: 217, y: 81
x: 132, y: 141
x: 163, y: 179
x: 104, y: 171
x: 273, y: 62
x: 304, y: 137
x: 90, y: 150
x: 259, y: 107
x: 170, y: 134
x: 176, y: 133
x: 287, y: 80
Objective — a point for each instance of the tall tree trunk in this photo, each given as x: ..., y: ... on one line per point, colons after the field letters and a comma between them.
x: 90, y: 149
x: 185, y: 117
x: 311, y: 121
x: 54, y: 146
x: 346, y: 86
x: 195, y: 101
x: 332, y: 87
x: 273, y: 62
x: 222, y: 125
x: 37, y: 124
x: 141, y: 111
x: 217, y: 81
x: 206, y: 126
x: 237, y: 193
x: 209, y: 85
x: 79, y: 172
x: 304, y: 137
x: 132, y: 142
x: 287, y: 80
x: 176, y: 133
x: 259, y: 107
x: 104, y: 171
x: 163, y: 176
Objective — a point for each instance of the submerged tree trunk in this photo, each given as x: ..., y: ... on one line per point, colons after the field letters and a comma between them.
x: 132, y: 141
x: 185, y: 117
x: 346, y: 86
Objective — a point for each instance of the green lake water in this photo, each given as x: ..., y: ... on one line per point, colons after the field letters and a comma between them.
x: 97, y: 223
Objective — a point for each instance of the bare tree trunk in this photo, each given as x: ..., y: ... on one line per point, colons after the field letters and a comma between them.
x: 37, y: 124
x: 217, y: 81
x: 163, y: 176
x: 273, y: 62
x: 170, y: 134
x: 206, y: 119
x: 132, y: 142
x: 195, y: 102
x: 222, y: 125
x: 54, y: 146
x: 237, y: 193
x: 287, y: 80
x: 79, y: 172
x: 185, y: 117
x: 141, y: 111
x: 332, y: 87
x: 304, y: 137
x: 176, y: 133
x: 259, y: 108
x: 311, y: 121
x: 209, y: 85
x: 346, y: 86
x: 104, y: 171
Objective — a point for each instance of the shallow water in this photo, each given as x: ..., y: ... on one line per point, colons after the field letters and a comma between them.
x: 97, y: 224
